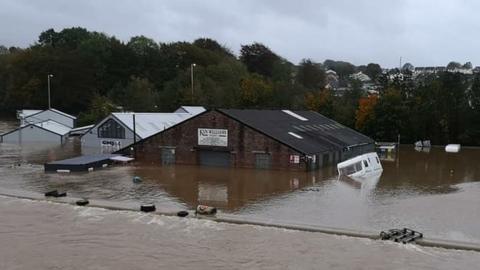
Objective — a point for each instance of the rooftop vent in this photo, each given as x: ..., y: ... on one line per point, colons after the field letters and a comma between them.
x: 299, y: 117
x: 295, y: 135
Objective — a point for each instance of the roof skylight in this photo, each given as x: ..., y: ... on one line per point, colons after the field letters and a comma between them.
x: 295, y: 135
x: 299, y: 117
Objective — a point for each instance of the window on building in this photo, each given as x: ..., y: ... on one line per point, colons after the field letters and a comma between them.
x: 351, y: 169
x: 263, y: 161
x: 111, y: 129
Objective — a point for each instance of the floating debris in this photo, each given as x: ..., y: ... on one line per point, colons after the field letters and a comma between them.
x: 55, y: 193
x: 452, y: 148
x: 148, y: 207
x: 82, y: 202
x: 311, y: 189
x: 401, y: 235
x: 205, y: 210
x: 182, y: 213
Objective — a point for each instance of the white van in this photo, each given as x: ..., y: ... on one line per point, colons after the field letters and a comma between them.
x: 359, y: 166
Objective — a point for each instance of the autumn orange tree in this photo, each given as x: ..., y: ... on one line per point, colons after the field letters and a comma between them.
x: 365, y: 114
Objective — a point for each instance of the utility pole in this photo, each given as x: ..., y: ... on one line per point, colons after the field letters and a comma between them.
x: 134, y: 137
x: 191, y: 77
x: 48, y: 80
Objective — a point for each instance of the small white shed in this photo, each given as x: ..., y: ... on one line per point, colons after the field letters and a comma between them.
x: 46, y: 131
x: 36, y: 116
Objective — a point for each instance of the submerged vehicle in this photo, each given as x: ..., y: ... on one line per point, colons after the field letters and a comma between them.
x: 362, y: 166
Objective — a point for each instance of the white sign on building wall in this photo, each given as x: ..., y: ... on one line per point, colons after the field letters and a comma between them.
x: 212, y: 137
x: 110, y: 146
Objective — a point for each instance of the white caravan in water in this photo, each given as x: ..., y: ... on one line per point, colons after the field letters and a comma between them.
x: 362, y: 166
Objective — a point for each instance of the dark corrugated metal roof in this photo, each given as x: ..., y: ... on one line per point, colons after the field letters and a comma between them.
x: 306, y: 131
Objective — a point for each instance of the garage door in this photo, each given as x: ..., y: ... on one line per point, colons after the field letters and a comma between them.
x: 213, y: 158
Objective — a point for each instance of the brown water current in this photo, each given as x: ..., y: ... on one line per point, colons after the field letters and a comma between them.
x: 43, y: 235
x: 431, y: 191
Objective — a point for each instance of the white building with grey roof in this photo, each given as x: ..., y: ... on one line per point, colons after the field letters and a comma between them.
x: 36, y: 116
x: 117, y: 130
x: 46, y: 126
x: 48, y: 131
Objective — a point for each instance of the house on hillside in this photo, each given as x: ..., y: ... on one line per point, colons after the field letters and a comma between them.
x: 361, y: 77
x: 264, y: 139
x: 331, y: 80
x: 117, y: 130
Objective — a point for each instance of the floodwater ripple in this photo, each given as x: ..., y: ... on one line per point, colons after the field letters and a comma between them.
x: 46, y: 235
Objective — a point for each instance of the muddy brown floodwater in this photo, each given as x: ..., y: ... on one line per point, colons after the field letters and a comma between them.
x: 431, y: 191
x: 42, y: 235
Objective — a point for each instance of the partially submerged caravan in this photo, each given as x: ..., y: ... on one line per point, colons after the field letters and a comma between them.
x: 360, y: 166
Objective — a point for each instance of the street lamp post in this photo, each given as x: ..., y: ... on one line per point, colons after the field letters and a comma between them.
x: 48, y: 79
x: 191, y: 77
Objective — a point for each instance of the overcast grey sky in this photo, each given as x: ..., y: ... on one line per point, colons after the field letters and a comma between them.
x: 423, y: 32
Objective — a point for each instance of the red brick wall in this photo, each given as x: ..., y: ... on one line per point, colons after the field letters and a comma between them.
x: 242, y: 143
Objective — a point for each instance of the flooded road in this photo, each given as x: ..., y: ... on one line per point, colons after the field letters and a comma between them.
x: 44, y: 235
x: 433, y: 192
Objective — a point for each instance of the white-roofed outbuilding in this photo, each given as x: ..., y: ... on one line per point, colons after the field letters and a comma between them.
x: 48, y: 131
x: 36, y: 116
x: 117, y: 130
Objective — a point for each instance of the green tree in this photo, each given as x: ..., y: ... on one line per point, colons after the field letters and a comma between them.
x: 390, y: 115
x: 343, y: 69
x: 142, y: 45
x: 408, y: 67
x: 320, y: 101
x: 212, y: 45
x: 454, y: 65
x: 311, y: 75
x: 99, y: 108
x: 140, y: 95
x: 468, y: 65
x: 255, y: 92
x: 473, y: 114
x: 258, y: 58
x: 373, y: 70
x: 345, y: 107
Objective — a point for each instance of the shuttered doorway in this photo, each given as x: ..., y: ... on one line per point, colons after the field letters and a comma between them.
x: 168, y: 155
x: 214, y: 158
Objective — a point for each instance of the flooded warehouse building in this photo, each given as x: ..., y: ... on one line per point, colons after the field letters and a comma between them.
x: 116, y: 131
x: 264, y: 139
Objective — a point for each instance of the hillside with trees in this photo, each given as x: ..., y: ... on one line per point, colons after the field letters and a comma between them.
x: 95, y: 73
